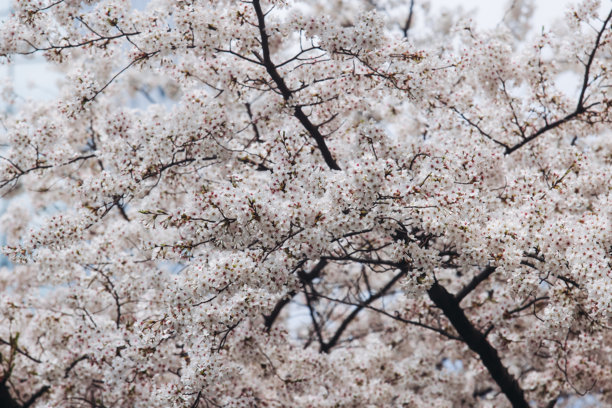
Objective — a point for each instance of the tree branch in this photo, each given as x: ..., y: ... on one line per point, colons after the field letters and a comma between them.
x: 477, y: 342
x: 305, y: 278
x: 580, y: 107
x: 6, y: 400
x: 408, y: 22
x: 266, y: 60
x: 35, y: 396
x: 327, y: 346
x: 481, y: 277
x: 395, y: 316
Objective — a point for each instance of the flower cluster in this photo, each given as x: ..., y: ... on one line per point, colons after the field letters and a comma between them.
x: 273, y: 203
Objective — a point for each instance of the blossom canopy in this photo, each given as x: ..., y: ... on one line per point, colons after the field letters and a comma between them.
x: 306, y: 204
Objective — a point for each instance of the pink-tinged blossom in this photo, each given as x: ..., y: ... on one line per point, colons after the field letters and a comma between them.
x: 306, y: 204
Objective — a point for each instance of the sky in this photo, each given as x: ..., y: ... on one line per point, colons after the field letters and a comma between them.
x: 490, y: 12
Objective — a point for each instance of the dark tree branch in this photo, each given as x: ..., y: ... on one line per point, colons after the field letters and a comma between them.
x: 20, y: 351
x: 59, y: 48
x: 314, y: 273
x: 580, y: 106
x: 477, y: 280
x: 38, y: 166
x: 580, y: 109
x: 196, y: 402
x: 395, y: 316
x: 7, y: 400
x: 311, y: 309
x: 271, y: 318
x: 548, y: 127
x: 266, y: 60
x: 408, y: 22
x: 475, y: 125
x: 121, y: 208
x: 35, y: 396
x: 140, y: 58
x: 478, y: 343
x: 74, y: 364
x: 527, y: 305
x: 305, y: 278
x: 257, y: 137
x: 47, y: 7
x: 587, y: 68
x: 156, y: 171
x: 327, y: 346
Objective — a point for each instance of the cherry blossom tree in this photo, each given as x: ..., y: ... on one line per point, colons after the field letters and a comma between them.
x: 315, y: 203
